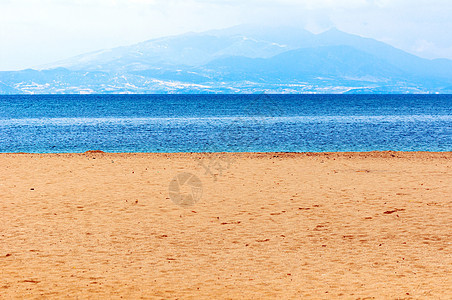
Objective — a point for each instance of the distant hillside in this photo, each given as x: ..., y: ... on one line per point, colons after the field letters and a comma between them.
x: 242, y: 59
x: 334, y: 62
x: 8, y: 90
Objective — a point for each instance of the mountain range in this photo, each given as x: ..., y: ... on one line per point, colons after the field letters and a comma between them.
x: 241, y: 59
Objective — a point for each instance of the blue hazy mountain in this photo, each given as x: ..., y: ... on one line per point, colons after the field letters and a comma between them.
x: 396, y: 57
x: 191, y: 49
x: 242, y: 59
x: 8, y: 90
x: 307, y: 64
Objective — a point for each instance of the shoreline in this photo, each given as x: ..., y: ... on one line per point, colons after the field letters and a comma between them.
x: 361, y: 154
x: 239, y: 153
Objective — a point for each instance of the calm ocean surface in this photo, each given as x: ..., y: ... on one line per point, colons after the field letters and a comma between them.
x: 226, y: 123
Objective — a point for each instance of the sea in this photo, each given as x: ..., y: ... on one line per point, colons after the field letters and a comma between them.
x: 225, y: 123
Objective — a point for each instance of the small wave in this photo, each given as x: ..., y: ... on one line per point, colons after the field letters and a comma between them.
x: 219, y: 120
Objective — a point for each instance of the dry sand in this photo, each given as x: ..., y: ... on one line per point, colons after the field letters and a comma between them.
x: 349, y: 225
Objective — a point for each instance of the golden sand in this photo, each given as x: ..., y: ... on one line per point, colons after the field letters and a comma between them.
x: 333, y: 225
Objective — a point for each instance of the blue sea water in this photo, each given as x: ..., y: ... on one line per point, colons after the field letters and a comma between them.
x: 225, y: 123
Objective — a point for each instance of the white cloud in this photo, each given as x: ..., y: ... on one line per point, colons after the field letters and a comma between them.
x: 34, y: 32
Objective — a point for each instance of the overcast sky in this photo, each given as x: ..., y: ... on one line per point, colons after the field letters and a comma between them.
x: 35, y: 32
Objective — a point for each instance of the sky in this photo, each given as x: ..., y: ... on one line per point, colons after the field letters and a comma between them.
x: 37, y: 32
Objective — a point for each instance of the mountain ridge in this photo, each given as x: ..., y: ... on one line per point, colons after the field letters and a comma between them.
x: 241, y: 59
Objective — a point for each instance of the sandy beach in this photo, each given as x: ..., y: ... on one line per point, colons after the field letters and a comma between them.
x: 327, y: 225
